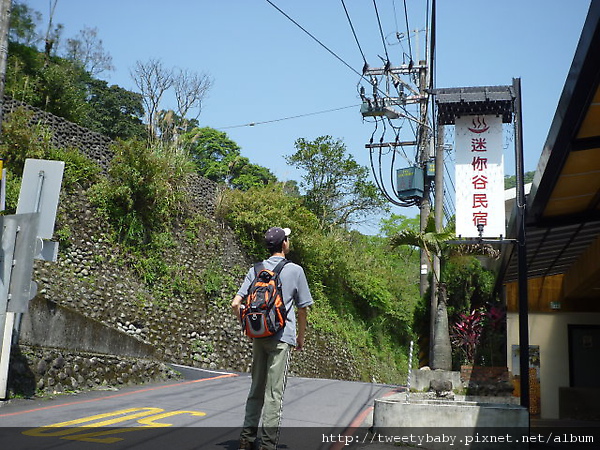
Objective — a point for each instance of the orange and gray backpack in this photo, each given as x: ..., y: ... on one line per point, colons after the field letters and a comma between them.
x: 264, y: 312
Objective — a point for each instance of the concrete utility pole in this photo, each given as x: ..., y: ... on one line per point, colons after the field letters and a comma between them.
x: 424, y: 142
x: 415, y: 189
x: 5, y: 7
x: 439, y: 224
x: 425, y: 138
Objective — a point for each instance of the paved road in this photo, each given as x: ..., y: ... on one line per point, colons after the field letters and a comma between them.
x: 203, y: 411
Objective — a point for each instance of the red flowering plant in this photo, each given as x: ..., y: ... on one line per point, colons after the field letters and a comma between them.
x: 478, y: 329
x: 466, y: 333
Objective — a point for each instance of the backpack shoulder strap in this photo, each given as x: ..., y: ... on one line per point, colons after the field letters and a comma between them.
x: 280, y: 265
x: 257, y: 268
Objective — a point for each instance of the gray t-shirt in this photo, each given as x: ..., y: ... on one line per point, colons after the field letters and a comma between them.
x: 295, y: 294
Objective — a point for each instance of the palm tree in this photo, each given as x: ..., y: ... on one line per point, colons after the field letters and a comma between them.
x: 433, y: 243
x: 436, y: 244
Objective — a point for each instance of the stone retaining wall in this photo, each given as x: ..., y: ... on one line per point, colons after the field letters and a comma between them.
x: 35, y: 370
x: 94, y: 278
x: 67, y: 134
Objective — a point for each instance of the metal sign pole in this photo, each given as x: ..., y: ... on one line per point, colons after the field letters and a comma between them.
x: 522, y: 250
x: 36, y: 213
x: 5, y: 356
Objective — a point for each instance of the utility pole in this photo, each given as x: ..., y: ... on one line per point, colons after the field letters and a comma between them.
x: 424, y: 145
x: 439, y: 223
x: 416, y: 186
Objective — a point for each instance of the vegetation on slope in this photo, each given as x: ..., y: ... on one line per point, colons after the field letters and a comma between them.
x: 366, y: 294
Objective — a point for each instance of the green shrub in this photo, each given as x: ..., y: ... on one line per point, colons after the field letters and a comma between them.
x: 143, y: 193
x: 79, y: 169
x: 22, y: 139
x: 363, y: 292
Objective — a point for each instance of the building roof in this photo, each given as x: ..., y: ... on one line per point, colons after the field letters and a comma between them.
x: 456, y: 102
x: 563, y: 207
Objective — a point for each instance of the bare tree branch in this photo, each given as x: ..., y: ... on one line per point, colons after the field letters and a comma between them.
x: 87, y: 49
x: 190, y: 90
x: 153, y: 80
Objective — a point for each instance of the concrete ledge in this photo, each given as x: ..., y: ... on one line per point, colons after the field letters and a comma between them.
x: 393, y: 411
x: 50, y: 325
x: 461, y: 417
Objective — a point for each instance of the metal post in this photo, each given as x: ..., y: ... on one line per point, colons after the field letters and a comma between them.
x: 410, y: 358
x: 2, y: 184
x: 522, y: 248
x: 5, y: 353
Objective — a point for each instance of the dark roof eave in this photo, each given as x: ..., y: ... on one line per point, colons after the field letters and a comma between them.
x: 578, y: 92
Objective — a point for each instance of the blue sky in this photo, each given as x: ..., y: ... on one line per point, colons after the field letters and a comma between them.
x: 265, y: 68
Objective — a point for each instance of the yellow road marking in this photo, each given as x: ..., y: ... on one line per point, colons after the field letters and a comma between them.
x: 75, y: 430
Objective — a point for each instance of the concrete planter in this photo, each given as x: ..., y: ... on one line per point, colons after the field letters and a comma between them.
x: 467, y: 421
x: 420, y: 380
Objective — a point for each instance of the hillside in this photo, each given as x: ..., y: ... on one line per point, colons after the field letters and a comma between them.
x: 94, y: 279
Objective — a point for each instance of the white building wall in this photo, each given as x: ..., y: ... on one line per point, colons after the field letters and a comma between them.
x: 550, y: 332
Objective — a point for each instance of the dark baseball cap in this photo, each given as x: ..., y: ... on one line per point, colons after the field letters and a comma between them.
x: 276, y: 235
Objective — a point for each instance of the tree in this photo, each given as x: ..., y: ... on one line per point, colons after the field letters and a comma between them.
x: 396, y: 223
x: 4, y: 22
x: 451, y: 257
x: 23, y: 22
x: 245, y: 175
x: 53, y: 34
x: 337, y: 190
x: 153, y: 79
x: 144, y: 192
x: 218, y: 158
x: 510, y: 181
x: 87, y: 50
x: 115, y: 112
x: 433, y: 243
x: 63, y: 91
x: 190, y: 90
x: 171, y: 126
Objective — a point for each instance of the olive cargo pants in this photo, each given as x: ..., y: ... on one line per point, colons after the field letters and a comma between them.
x: 270, y: 360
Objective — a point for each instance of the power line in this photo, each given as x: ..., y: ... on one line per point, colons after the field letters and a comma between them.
x: 313, y: 37
x: 252, y: 124
x: 381, y: 32
x: 355, y: 37
x: 408, y: 31
x: 320, y: 43
x: 396, y: 20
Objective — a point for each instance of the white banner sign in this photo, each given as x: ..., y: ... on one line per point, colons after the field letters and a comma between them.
x: 479, y: 177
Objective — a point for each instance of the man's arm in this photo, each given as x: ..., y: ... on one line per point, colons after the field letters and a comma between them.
x: 302, y: 315
x: 236, y: 304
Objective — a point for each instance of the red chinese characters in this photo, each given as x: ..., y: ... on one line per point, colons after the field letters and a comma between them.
x: 479, y: 174
x: 480, y: 182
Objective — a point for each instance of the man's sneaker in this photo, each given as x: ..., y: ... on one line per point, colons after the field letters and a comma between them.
x: 245, y: 444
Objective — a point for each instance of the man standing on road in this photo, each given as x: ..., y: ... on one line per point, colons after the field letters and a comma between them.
x: 270, y: 355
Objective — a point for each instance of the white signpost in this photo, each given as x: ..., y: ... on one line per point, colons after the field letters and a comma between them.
x: 21, y: 235
x: 479, y: 177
